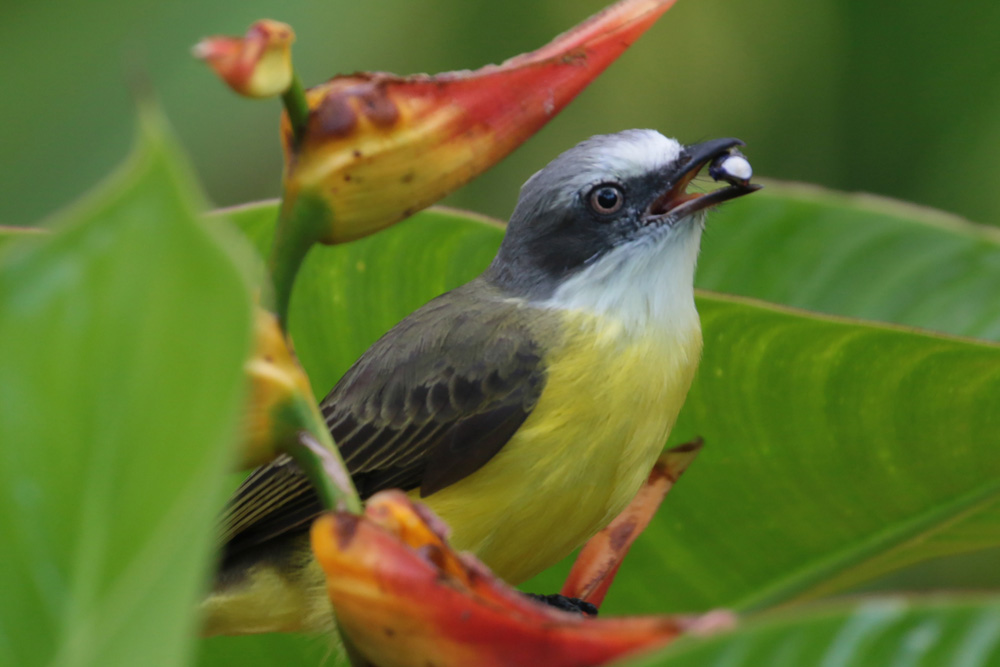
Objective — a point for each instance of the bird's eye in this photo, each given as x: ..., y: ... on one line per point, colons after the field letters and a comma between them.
x: 606, y: 199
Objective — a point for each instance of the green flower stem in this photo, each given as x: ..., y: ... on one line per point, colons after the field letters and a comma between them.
x: 301, y: 223
x: 313, y: 450
x: 297, y: 108
x: 301, y: 220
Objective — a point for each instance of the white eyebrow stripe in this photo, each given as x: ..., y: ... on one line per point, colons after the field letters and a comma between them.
x: 622, y: 156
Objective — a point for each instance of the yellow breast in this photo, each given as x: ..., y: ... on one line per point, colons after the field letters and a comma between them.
x: 610, y: 399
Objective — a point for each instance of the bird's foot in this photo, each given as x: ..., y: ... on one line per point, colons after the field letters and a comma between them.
x: 572, y: 605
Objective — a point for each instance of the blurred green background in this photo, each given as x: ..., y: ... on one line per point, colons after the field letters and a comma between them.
x: 901, y: 99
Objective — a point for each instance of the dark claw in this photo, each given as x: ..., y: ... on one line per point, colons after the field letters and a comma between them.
x: 572, y: 605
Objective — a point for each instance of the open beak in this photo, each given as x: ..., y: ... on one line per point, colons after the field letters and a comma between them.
x: 676, y: 203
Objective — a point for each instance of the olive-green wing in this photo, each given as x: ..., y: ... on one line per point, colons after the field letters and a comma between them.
x: 427, y: 405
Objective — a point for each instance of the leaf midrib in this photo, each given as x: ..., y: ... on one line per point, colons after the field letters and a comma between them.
x: 795, y: 587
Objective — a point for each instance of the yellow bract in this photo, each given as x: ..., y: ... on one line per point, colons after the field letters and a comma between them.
x: 276, y: 382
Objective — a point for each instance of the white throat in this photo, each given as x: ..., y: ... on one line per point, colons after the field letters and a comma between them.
x: 648, y: 284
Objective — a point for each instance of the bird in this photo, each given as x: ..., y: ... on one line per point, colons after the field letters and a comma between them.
x: 526, y: 407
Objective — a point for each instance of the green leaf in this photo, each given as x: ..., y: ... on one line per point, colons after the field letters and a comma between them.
x: 836, y: 449
x: 807, y: 418
x: 124, y: 333
x: 856, y: 255
x: 892, y: 632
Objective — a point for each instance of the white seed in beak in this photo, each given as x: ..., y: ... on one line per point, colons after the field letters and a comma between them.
x: 733, y: 168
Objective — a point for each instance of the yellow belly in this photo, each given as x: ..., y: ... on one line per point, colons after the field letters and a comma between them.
x: 609, y: 402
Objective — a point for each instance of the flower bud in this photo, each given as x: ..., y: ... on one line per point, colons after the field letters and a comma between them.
x: 258, y: 64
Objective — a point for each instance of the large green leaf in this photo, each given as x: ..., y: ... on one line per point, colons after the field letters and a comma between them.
x: 836, y: 449
x: 124, y: 334
x: 891, y: 632
x: 786, y: 391
x: 856, y: 255
x: 845, y: 254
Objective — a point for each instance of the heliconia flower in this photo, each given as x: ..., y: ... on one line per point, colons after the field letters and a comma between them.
x: 599, y: 560
x: 258, y: 64
x: 379, y: 147
x: 277, y: 386
x: 404, y: 598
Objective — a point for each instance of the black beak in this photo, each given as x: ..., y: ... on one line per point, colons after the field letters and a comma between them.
x: 676, y: 203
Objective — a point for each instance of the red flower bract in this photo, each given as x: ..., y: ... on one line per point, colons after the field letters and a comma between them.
x: 403, y: 597
x: 379, y: 147
x: 259, y: 64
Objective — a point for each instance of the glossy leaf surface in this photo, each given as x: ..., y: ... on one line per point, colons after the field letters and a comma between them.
x: 856, y: 255
x: 804, y: 417
x: 835, y: 451
x: 963, y: 633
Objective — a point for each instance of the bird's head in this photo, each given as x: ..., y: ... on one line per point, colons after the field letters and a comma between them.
x: 612, y: 204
